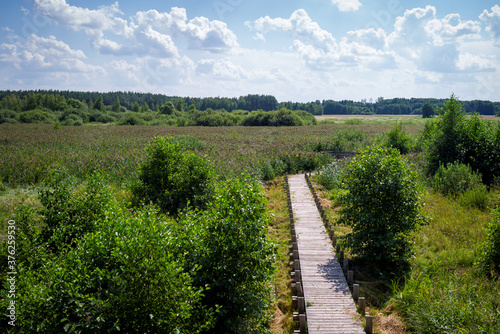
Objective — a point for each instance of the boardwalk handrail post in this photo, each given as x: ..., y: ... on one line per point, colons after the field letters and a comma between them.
x: 355, y: 292
x: 369, y: 324
x: 362, y: 305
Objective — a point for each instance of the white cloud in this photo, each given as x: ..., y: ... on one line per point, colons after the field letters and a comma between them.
x: 347, y: 5
x: 492, y: 21
x: 221, y: 69
x: 149, y: 32
x: 43, y: 54
x: 434, y: 44
x: 299, y: 26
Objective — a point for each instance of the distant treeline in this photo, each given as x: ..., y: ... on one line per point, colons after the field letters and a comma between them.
x: 57, y: 100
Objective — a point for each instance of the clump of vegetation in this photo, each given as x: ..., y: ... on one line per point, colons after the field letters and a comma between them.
x: 125, y: 276
x: 173, y: 179
x: 329, y: 176
x: 468, y: 140
x: 398, y: 139
x: 489, y: 251
x: 382, y: 206
x: 455, y: 178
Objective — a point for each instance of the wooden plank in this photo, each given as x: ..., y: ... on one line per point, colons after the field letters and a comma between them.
x: 329, y: 304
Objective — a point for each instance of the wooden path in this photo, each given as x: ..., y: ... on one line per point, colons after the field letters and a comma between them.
x: 330, y: 308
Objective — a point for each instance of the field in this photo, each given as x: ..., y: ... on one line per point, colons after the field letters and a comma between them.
x: 443, y: 273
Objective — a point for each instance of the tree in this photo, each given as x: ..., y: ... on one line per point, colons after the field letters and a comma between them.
x: 173, y: 178
x: 117, y: 106
x: 99, y: 104
x: 136, y: 107
x: 382, y: 206
x: 469, y: 140
x: 167, y: 109
x: 427, y: 110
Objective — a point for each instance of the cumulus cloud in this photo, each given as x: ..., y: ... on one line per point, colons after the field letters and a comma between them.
x: 492, y: 22
x: 319, y: 50
x: 347, y: 5
x: 44, y: 54
x: 299, y: 26
x: 433, y: 44
x: 149, y: 32
x: 220, y: 69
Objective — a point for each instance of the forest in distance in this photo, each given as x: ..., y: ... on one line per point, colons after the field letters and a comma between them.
x: 131, y: 108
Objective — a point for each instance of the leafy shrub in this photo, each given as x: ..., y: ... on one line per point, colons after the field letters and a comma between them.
x: 73, y: 120
x: 398, y: 139
x: 36, y: 116
x: 8, y: 116
x: 172, y: 178
x: 455, y: 178
x: 489, y: 251
x: 131, y: 120
x: 72, y: 112
x: 235, y: 255
x: 126, y: 276
x: 329, y: 175
x: 476, y: 197
x: 473, y: 141
x: 353, y: 121
x: 382, y: 205
x: 69, y: 213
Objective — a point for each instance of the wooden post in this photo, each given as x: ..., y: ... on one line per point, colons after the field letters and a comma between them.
x: 297, y: 276
x: 350, y: 276
x: 362, y: 305
x: 295, y: 255
x: 346, y: 266
x: 334, y: 240
x: 302, y: 305
x: 296, y: 264
x: 294, y: 246
x: 341, y: 256
x: 337, y: 249
x: 302, y: 323
x: 355, y: 292
x: 369, y: 324
x: 300, y: 292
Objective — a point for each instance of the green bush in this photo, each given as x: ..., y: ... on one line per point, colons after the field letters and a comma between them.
x: 489, y: 251
x: 124, y: 277
x: 382, y: 206
x: 8, y: 116
x: 398, y: 139
x: 329, y: 175
x: 36, y: 116
x: 131, y: 120
x: 72, y: 120
x: 235, y: 255
x: 455, y: 178
x: 473, y: 141
x: 172, y: 178
x: 476, y: 197
x: 68, y: 212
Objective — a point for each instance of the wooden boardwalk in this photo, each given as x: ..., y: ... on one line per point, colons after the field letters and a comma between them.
x: 330, y: 308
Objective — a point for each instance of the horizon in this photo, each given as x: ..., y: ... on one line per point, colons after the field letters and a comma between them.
x: 295, y: 51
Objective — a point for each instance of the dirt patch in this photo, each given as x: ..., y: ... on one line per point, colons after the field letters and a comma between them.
x: 390, y: 324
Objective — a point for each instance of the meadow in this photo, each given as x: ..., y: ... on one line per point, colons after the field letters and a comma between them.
x: 443, y: 276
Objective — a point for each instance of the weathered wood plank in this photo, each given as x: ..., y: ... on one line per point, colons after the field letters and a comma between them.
x: 329, y: 304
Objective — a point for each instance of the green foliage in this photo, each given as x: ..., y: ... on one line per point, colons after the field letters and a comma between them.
x: 131, y: 120
x: 99, y: 104
x: 69, y: 213
x: 282, y: 117
x: 398, y: 139
x: 167, y: 108
x: 382, y: 206
x: 126, y: 276
x: 36, y: 116
x: 329, y: 176
x: 473, y: 141
x: 476, y: 197
x: 489, y: 251
x: 235, y: 255
x: 427, y: 110
x: 455, y: 178
x: 439, y: 303
x: 172, y: 178
x: 8, y: 116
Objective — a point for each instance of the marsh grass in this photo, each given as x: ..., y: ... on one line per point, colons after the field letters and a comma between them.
x: 279, y: 231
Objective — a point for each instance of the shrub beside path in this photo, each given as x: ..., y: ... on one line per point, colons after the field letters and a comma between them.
x: 329, y: 304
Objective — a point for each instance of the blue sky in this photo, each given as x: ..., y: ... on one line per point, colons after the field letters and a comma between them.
x: 294, y: 50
